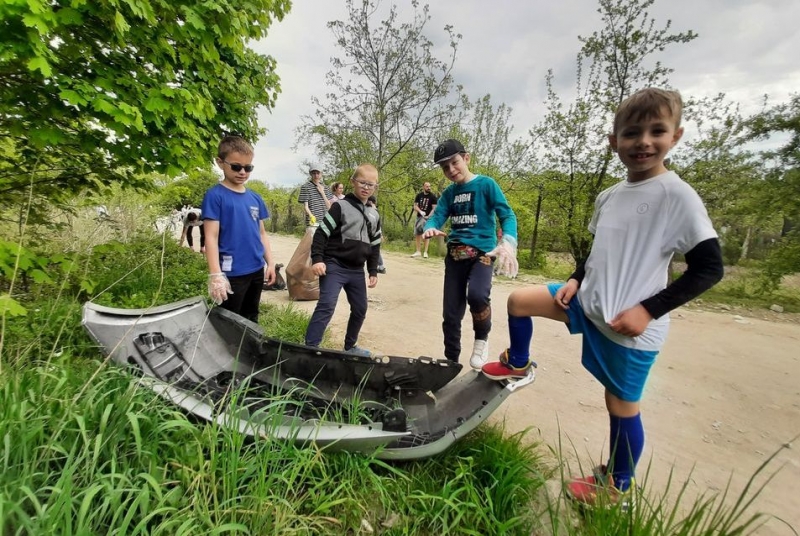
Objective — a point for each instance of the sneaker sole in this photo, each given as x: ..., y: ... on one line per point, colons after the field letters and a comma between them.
x: 586, y: 508
x: 479, y: 367
x: 508, y: 376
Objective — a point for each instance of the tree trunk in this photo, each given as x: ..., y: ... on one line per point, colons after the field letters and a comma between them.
x: 746, y: 243
x: 535, y: 236
x: 274, y: 217
x: 788, y: 226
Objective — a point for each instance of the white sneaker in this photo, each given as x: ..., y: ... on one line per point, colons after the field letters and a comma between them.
x: 425, y: 255
x: 480, y: 354
x: 416, y: 254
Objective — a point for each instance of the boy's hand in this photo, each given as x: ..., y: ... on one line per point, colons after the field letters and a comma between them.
x: 631, y: 322
x: 373, y: 281
x: 506, y: 259
x: 269, y: 274
x: 218, y: 288
x: 565, y: 294
x: 430, y: 233
x: 319, y: 269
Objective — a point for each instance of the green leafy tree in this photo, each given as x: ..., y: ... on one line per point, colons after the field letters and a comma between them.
x: 389, y: 93
x: 95, y: 92
x: 189, y: 189
x: 487, y: 132
x: 781, y: 189
x: 612, y: 64
x: 728, y: 177
x: 783, y: 162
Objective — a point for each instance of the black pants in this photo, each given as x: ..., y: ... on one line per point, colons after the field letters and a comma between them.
x: 189, y: 239
x: 246, y: 295
x: 466, y: 281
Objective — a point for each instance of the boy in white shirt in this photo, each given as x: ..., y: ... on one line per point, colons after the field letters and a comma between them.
x: 619, y: 298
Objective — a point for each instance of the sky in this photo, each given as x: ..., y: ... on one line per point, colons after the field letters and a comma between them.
x: 745, y: 49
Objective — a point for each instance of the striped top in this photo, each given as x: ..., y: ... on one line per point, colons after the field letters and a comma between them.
x: 316, y: 203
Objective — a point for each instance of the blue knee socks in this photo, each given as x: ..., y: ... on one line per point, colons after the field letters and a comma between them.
x: 520, y: 330
x: 627, y: 444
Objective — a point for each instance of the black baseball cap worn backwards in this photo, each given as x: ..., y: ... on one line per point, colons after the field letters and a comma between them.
x: 447, y: 150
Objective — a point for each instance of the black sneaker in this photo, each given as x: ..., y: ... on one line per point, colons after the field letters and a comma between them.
x: 381, y: 269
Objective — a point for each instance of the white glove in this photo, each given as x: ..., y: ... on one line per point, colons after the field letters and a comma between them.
x: 505, y: 255
x: 218, y: 288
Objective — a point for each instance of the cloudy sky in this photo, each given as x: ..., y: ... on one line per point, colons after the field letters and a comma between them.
x: 745, y: 49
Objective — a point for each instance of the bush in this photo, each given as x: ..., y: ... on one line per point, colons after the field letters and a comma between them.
x: 145, y: 272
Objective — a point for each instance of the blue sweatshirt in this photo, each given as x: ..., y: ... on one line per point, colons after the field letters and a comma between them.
x: 473, y: 208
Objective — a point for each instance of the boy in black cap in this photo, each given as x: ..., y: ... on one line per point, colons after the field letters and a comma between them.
x: 472, y: 203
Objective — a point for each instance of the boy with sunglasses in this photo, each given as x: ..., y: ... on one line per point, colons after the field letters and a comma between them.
x: 238, y: 251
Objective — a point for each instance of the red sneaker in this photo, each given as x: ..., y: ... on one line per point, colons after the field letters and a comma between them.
x: 501, y: 370
x: 599, y: 489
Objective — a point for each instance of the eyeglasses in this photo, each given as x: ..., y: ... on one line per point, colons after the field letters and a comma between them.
x: 238, y: 167
x: 367, y: 185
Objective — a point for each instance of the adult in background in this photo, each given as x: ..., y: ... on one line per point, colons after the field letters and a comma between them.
x: 315, y: 196
x: 338, y: 191
x: 192, y: 218
x: 424, y: 205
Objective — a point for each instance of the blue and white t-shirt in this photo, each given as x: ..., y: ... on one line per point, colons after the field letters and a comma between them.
x: 239, y: 214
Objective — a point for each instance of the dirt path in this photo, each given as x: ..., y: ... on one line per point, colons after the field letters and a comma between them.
x: 723, y: 395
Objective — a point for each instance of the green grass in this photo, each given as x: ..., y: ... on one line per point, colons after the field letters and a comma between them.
x: 287, y: 322
x: 666, y: 511
x: 84, y: 449
x: 110, y: 457
x: 744, y: 290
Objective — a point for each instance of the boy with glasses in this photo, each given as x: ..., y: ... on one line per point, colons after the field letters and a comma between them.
x: 347, y: 238
x: 472, y: 203
x: 238, y: 251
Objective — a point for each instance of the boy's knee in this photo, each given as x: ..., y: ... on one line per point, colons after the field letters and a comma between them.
x: 478, y: 302
x: 358, y: 311
x: 531, y: 301
x: 619, y: 407
x: 515, y: 303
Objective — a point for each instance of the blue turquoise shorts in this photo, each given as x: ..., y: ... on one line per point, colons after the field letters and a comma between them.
x: 621, y: 370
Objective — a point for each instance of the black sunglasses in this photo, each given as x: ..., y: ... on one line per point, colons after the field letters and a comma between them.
x: 238, y: 167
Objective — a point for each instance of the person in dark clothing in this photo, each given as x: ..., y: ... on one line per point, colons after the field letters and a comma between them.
x: 191, y: 219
